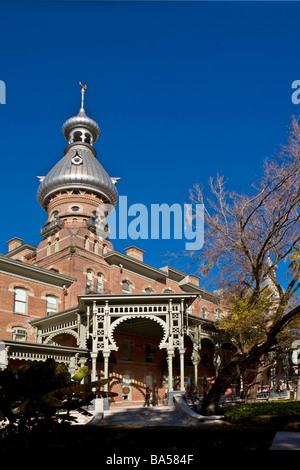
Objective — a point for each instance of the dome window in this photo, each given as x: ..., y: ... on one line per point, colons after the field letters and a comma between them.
x: 77, y: 160
x: 77, y: 136
x: 87, y: 138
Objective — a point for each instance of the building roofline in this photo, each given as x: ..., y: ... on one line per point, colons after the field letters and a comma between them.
x: 179, y: 275
x: 38, y: 273
x: 129, y: 298
x: 42, y: 346
x: 203, y: 292
x: 131, y: 260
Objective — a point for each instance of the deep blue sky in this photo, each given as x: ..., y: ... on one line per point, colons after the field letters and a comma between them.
x: 181, y: 91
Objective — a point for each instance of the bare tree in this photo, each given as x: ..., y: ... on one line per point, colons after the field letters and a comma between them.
x: 247, y: 238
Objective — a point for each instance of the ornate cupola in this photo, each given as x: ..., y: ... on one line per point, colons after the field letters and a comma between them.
x: 78, y: 183
x: 81, y: 128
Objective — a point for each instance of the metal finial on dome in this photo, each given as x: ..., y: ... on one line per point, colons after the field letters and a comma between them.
x: 83, y: 88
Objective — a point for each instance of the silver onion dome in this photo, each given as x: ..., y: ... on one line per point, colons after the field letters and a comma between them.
x: 78, y: 169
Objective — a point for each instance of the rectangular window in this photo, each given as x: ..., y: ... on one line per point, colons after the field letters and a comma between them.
x: 149, y: 353
x: 20, y: 301
x: 52, y: 304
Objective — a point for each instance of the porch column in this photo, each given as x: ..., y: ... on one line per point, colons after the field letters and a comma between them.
x: 72, y: 365
x: 106, y: 355
x: 106, y: 359
x: 196, y: 360
x: 170, y: 370
x: 217, y: 359
x: 94, y: 365
x: 181, y: 353
x: 3, y: 355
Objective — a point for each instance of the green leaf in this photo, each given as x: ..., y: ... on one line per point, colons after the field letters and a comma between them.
x: 80, y: 374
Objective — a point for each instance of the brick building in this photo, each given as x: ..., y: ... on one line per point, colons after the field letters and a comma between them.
x: 77, y: 299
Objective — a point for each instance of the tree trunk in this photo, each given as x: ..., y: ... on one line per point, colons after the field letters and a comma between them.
x: 226, y: 377
x: 252, y: 396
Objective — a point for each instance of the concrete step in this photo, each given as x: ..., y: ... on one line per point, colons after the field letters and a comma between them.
x: 144, y: 416
x: 286, y: 441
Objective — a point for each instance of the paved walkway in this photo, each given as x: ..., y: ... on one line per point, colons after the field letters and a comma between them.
x: 286, y: 441
x: 169, y: 416
x: 145, y: 416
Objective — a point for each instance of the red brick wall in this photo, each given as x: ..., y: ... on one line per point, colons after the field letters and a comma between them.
x: 36, y: 308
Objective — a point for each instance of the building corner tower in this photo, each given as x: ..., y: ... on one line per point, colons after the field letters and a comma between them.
x: 72, y: 193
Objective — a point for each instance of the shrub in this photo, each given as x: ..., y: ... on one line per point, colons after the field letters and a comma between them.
x: 34, y: 394
x: 271, y: 412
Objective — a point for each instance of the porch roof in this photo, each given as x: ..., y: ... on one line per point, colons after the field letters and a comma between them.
x: 34, y: 351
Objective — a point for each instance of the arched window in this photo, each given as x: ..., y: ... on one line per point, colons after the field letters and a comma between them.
x: 89, y: 279
x: 20, y: 300
x: 204, y: 313
x: 87, y: 138
x: 104, y: 249
x: 19, y: 333
x: 148, y: 290
x: 126, y: 287
x: 48, y: 248
x: 77, y: 136
x: 56, y: 245
x: 86, y: 243
x: 168, y: 291
x: 51, y: 304
x: 100, y: 283
x: 54, y: 215
x: 96, y: 247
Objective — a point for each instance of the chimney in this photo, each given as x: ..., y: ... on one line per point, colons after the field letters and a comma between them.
x: 194, y: 279
x: 135, y: 252
x: 14, y: 243
x: 190, y: 278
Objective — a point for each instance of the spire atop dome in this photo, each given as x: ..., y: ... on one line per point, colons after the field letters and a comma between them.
x: 83, y: 88
x: 81, y: 128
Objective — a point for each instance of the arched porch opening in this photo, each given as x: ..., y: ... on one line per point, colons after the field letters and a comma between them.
x: 138, y: 372
x: 63, y: 339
